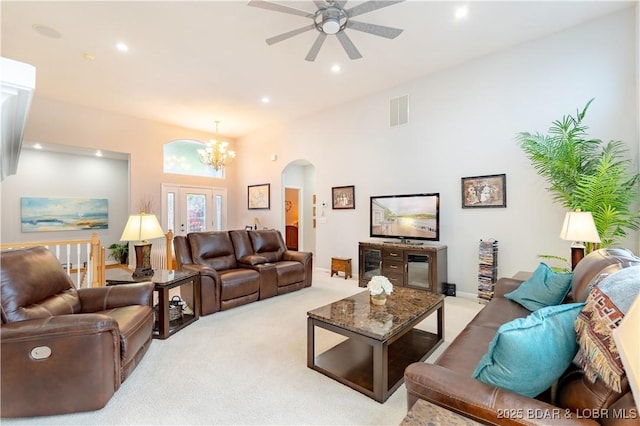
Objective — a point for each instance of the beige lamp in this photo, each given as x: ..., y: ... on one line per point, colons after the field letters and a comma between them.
x: 140, y: 228
x: 579, y: 227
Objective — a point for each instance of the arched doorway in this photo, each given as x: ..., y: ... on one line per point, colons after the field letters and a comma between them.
x: 298, y: 195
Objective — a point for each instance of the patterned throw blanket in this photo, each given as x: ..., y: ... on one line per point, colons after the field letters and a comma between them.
x: 606, y: 305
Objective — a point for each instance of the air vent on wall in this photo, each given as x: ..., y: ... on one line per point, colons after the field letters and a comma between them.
x: 399, y: 111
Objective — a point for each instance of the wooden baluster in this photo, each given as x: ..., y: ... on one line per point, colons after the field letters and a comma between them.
x: 169, y: 245
x: 97, y: 262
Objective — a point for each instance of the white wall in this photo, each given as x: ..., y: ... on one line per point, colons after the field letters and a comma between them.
x: 462, y: 123
x: 45, y: 174
x: 55, y: 122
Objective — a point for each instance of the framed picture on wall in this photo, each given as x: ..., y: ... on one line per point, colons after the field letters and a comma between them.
x: 343, y: 197
x: 45, y: 214
x: 259, y: 196
x: 484, y: 191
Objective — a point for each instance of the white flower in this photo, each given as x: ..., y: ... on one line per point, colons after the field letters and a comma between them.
x: 379, y: 284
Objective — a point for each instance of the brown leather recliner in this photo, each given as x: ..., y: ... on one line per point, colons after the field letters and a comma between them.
x: 223, y: 284
x: 65, y: 350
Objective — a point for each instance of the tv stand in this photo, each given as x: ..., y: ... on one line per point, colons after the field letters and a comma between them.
x: 405, y: 242
x: 412, y: 265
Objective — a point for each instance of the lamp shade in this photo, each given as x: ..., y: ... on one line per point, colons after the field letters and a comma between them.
x: 579, y: 226
x: 142, y: 227
x: 626, y: 338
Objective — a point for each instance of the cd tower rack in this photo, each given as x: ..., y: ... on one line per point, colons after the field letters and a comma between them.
x: 487, y: 269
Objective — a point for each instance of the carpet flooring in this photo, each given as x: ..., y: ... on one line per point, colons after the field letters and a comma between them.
x: 247, y: 366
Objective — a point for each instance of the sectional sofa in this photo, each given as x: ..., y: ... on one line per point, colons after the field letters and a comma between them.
x: 474, y: 376
x: 239, y: 266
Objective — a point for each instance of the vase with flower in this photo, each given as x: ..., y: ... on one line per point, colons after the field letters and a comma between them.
x: 379, y: 287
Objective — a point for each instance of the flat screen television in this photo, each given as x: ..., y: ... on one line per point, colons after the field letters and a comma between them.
x: 406, y: 217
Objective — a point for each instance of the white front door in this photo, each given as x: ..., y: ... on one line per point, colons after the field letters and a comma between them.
x: 193, y: 209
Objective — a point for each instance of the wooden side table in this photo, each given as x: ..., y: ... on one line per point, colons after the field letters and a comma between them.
x: 341, y: 264
x: 164, y: 280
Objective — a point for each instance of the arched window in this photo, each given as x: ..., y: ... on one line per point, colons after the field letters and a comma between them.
x: 181, y: 157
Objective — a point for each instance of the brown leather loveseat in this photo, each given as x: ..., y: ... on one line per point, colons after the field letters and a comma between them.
x: 239, y: 267
x: 65, y: 350
x: 573, y: 399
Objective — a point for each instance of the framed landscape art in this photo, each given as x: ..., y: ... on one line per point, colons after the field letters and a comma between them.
x: 45, y: 214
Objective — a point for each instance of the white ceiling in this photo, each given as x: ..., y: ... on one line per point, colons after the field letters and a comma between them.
x: 191, y: 63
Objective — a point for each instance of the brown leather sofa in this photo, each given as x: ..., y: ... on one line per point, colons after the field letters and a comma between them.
x: 239, y: 267
x: 448, y: 382
x: 65, y: 350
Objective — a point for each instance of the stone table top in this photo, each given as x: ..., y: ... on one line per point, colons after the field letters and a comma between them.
x: 356, y: 313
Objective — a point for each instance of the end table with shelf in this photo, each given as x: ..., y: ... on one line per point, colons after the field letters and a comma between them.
x: 165, y: 280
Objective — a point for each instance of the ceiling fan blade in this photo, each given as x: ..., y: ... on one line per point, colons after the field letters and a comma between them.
x: 341, y: 3
x: 279, y: 8
x: 321, y: 4
x: 313, y: 52
x: 379, y: 30
x: 370, y: 6
x: 289, y: 34
x: 348, y: 45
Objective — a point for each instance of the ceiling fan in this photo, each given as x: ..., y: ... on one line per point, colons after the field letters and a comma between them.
x: 332, y: 18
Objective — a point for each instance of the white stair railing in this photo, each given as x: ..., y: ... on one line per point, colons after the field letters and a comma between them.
x: 82, y: 259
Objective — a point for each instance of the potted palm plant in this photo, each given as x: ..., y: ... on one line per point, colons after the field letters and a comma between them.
x: 119, y: 252
x: 587, y: 174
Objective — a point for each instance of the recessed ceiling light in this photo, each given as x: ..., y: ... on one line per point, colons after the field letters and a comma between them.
x: 461, y: 12
x: 335, y: 68
x: 46, y: 31
x: 37, y: 146
x: 122, y: 47
x: 98, y: 153
x: 265, y: 100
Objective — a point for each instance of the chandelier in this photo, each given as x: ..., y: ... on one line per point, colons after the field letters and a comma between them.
x: 216, y: 154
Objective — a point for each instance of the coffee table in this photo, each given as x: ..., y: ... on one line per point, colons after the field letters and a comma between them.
x: 381, y: 340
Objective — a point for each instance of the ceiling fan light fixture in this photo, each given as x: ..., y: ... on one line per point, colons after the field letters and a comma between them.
x: 331, y: 26
x: 331, y: 20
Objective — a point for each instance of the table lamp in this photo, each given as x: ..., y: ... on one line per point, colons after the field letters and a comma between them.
x: 579, y: 227
x: 140, y: 228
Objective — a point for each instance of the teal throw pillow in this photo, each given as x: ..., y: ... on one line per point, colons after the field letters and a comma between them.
x: 527, y: 355
x: 544, y: 288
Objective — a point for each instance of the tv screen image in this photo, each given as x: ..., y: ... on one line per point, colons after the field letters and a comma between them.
x: 407, y: 217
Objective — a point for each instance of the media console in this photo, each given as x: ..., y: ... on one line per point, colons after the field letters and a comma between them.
x: 406, y: 265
